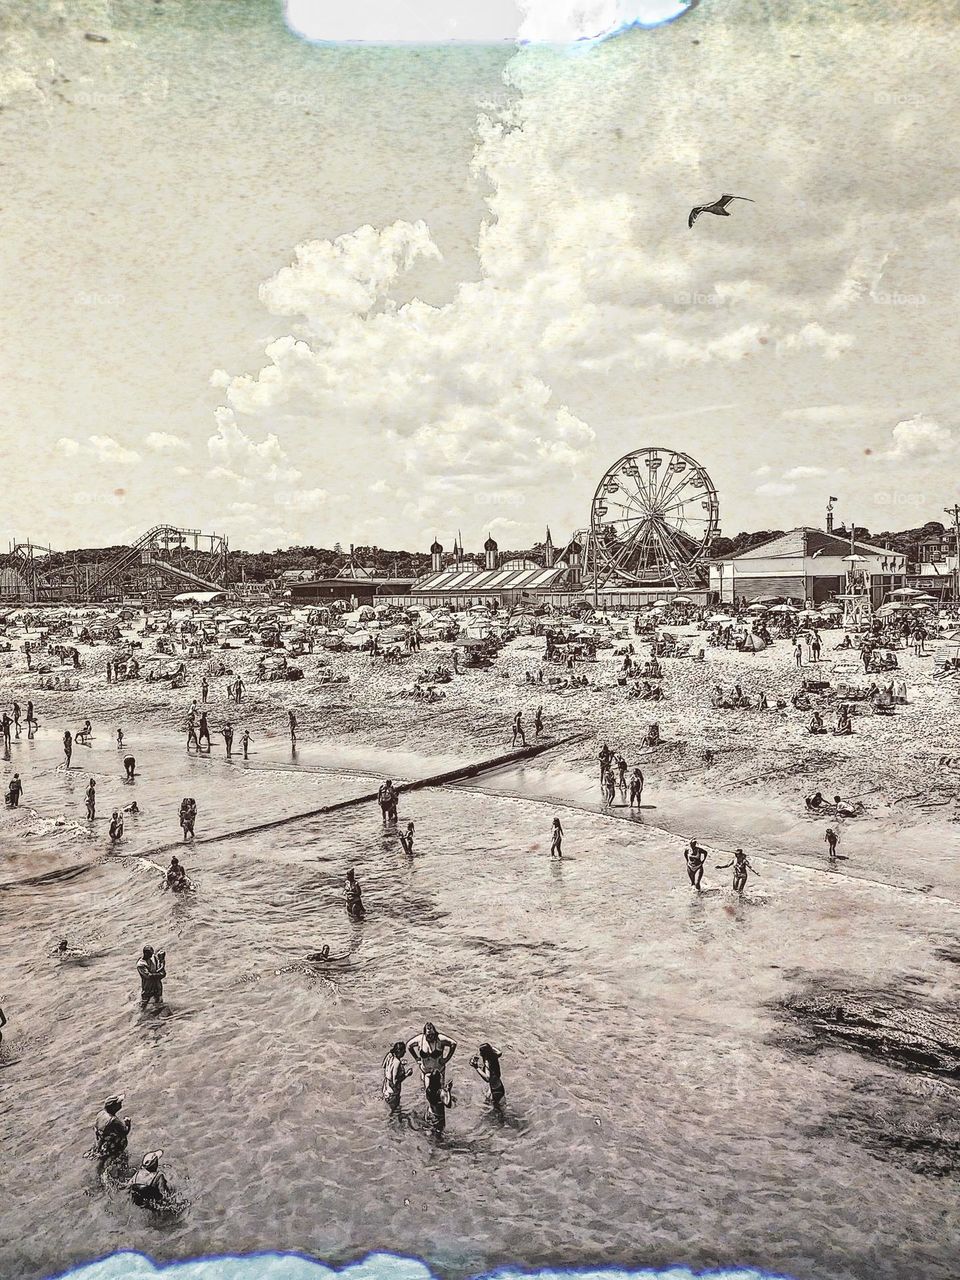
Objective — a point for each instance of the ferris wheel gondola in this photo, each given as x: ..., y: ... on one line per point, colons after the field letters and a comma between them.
x: 653, y: 518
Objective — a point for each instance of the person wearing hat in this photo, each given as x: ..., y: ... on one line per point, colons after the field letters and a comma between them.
x: 152, y: 970
x: 111, y: 1129
x: 148, y: 1187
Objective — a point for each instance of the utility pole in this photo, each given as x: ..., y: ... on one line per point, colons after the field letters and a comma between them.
x: 955, y: 512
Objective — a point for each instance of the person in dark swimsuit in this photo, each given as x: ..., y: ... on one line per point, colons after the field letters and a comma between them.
x: 740, y: 868
x: 152, y: 970
x: 406, y: 839
x: 111, y: 1130
x: 148, y: 1187
x: 431, y: 1051
x: 695, y: 856
x: 556, y: 843
x: 354, y: 899
x: 486, y: 1063
x: 831, y: 839
x: 395, y: 1071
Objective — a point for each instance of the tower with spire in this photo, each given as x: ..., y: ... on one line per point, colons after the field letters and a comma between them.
x: 549, y: 554
x: 436, y: 556
x: 490, y: 552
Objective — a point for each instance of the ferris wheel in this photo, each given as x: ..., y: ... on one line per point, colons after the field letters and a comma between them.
x: 653, y: 517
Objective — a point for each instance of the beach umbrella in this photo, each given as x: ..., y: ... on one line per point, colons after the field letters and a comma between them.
x: 907, y: 591
x: 719, y: 617
x: 681, y: 600
x: 784, y: 608
x: 754, y: 643
x: 756, y: 607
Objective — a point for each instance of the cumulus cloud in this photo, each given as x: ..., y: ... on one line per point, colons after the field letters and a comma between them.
x: 97, y: 448
x: 162, y: 442
x: 775, y: 489
x: 919, y: 438
x: 803, y: 473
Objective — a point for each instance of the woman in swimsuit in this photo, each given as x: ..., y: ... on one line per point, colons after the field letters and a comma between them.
x: 486, y: 1063
x: 395, y: 1071
x: 740, y: 868
x: 695, y: 856
x: 556, y: 850
x: 431, y: 1051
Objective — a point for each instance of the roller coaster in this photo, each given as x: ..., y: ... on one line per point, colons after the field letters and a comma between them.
x: 161, y: 563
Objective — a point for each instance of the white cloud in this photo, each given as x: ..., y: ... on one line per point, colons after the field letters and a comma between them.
x: 103, y: 449
x: 108, y: 450
x: 775, y: 489
x: 803, y: 472
x: 763, y: 471
x: 919, y: 438
x: 162, y: 442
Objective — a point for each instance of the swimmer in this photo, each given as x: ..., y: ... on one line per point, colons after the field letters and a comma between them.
x: 406, y: 839
x: 318, y: 957
x: 695, y: 856
x: 387, y: 799
x: 486, y: 1063
x: 354, y: 899
x: 116, y: 825
x: 111, y: 1130
x: 431, y: 1051
x: 395, y: 1071
x: 133, y: 807
x: 152, y: 969
x: 439, y: 1097
x: 148, y: 1187
x: 556, y: 843
x: 740, y: 868
x: 176, y: 877
x: 636, y: 787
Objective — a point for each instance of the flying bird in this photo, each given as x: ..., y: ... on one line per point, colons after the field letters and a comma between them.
x: 719, y: 207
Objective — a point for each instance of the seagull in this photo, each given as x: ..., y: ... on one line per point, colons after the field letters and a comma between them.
x: 719, y: 207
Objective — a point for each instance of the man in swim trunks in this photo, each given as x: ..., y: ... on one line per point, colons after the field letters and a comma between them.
x: 354, y: 899
x: 387, y: 799
x: 91, y: 798
x: 16, y: 791
x: 695, y: 856
x: 431, y: 1051
x: 130, y: 765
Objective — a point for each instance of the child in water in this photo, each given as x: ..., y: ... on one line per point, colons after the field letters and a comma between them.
x: 740, y: 868
x: 486, y: 1063
x: 556, y: 850
x: 406, y: 839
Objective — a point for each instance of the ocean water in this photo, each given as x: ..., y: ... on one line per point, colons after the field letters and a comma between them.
x: 661, y: 1108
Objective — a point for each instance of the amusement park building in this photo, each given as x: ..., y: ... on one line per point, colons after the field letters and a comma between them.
x: 805, y: 564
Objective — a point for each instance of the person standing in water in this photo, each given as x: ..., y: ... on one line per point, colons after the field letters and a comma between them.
x: 152, y: 969
x: 15, y: 791
x: 538, y: 722
x: 91, y: 796
x: 486, y: 1063
x: 148, y: 1187
x: 518, y: 730
x: 636, y: 787
x: 204, y: 730
x: 353, y: 896
x: 395, y: 1071
x: 227, y: 732
x: 831, y: 839
x: 116, y: 825
x: 740, y: 868
x: 387, y: 799
x: 130, y: 767
x: 119, y: 739
x: 31, y: 723
x: 111, y: 1130
x: 245, y: 741
x: 292, y: 720
x: 406, y: 839
x: 556, y: 841
x: 431, y: 1051
x: 67, y: 748
x: 16, y: 718
x: 695, y: 856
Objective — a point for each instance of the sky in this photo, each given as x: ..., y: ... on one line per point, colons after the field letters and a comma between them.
x: 301, y: 290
